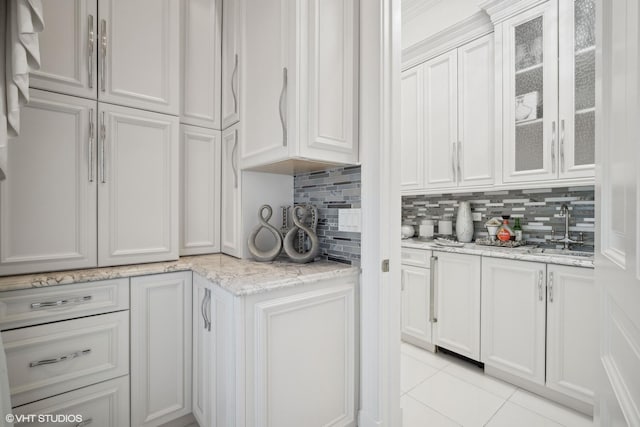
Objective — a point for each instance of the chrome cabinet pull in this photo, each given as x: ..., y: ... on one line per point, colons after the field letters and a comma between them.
x: 103, y: 53
x: 59, y: 359
x: 103, y: 138
x: 234, y: 158
x: 92, y: 137
x: 281, y: 105
x: 234, y: 84
x: 204, y: 300
x: 432, y: 290
x: 551, y: 287
x: 553, y: 146
x: 453, y: 161
x: 91, y: 41
x: 458, y: 151
x: 208, y: 310
x: 540, y: 292
x: 402, y: 282
x: 61, y: 302
x: 85, y: 422
x: 562, y: 166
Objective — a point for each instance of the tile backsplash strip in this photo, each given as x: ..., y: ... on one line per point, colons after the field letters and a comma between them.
x: 538, y: 210
x: 329, y: 191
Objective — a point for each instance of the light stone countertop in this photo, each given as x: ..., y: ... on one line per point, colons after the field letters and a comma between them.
x: 520, y: 253
x: 237, y: 276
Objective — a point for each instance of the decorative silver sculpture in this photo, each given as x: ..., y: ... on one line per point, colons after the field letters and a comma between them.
x: 271, y: 254
x: 298, y: 254
x: 309, y: 218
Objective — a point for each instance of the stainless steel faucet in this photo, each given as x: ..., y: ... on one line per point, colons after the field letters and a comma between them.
x: 567, y: 241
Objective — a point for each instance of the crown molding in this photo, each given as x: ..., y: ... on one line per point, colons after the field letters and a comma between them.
x: 477, y: 25
x: 413, y: 8
x: 499, y: 10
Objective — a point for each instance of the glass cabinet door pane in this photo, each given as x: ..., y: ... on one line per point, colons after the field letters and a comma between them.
x: 529, y: 82
x: 585, y: 71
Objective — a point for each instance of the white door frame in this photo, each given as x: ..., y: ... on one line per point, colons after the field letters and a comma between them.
x: 381, y: 213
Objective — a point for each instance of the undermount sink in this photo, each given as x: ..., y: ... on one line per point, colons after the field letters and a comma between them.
x: 561, y: 252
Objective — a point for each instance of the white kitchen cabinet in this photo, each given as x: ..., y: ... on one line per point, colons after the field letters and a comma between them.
x: 299, y: 84
x: 201, y: 33
x: 411, y: 146
x: 457, y: 305
x: 230, y: 62
x: 138, y: 186
x: 439, y: 126
x: 513, y: 317
x: 416, y: 305
x: 200, y: 186
x: 161, y: 348
x: 68, y: 48
x: 213, y: 355
x: 448, y: 120
x: 231, y: 229
x: 572, y: 352
x: 48, y: 201
x: 139, y: 54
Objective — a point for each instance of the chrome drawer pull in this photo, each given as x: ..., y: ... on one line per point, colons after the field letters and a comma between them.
x: 90, y: 42
x: 282, y: 105
x: 59, y: 359
x: 85, y: 422
x: 60, y: 302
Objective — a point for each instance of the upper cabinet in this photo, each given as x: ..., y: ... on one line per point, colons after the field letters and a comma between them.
x: 298, y: 73
x: 201, y: 34
x: 448, y: 121
x: 95, y: 49
x: 548, y: 57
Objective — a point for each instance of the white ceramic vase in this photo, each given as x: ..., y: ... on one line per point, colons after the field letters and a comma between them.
x: 464, y: 223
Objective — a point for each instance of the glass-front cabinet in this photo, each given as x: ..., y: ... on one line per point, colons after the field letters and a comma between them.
x: 548, y: 92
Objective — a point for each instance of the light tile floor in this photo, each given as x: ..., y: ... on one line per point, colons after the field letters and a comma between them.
x: 441, y: 390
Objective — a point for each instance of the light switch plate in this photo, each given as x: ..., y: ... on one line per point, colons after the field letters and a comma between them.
x: 349, y: 220
x: 477, y: 216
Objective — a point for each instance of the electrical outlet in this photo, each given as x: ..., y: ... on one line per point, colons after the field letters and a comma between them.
x: 349, y: 220
x: 477, y: 216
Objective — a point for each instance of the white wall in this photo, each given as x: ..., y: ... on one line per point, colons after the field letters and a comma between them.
x: 438, y: 16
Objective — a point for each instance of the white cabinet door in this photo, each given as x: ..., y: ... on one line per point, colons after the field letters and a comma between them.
x: 331, y: 81
x: 200, y: 184
x: 411, y: 146
x: 416, y: 301
x: 230, y: 62
x: 201, y: 62
x: 268, y: 79
x: 48, y: 201
x: 439, y: 122
x: 68, y: 48
x: 138, y: 189
x: 139, y: 54
x: 572, y: 318
x: 577, y: 87
x: 513, y: 317
x: 203, y: 352
x: 231, y: 201
x: 476, y: 149
x: 160, y: 348
x: 530, y: 91
x: 457, y: 308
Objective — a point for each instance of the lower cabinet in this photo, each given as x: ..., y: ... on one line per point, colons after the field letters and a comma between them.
x: 285, y: 358
x: 231, y: 216
x: 457, y: 305
x: 538, y: 322
x: 105, y: 404
x: 161, y: 348
x: 416, y: 306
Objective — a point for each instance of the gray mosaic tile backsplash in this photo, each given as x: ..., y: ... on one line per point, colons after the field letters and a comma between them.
x: 330, y: 191
x: 538, y: 210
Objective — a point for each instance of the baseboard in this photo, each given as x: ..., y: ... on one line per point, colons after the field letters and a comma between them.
x: 366, y: 420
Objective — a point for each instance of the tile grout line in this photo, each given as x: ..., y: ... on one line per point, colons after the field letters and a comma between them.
x: 536, y: 412
x: 435, y: 410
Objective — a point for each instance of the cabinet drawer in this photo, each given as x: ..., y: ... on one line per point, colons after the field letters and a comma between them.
x: 416, y: 257
x: 55, y: 358
x: 104, y: 405
x: 42, y: 305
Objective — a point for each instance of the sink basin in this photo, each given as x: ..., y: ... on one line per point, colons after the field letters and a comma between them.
x: 561, y: 252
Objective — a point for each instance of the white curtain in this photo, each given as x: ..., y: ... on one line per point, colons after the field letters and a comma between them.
x: 21, y: 21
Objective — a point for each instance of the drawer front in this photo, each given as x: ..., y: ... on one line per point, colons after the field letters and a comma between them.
x: 100, y: 405
x: 42, y: 305
x: 55, y: 358
x: 416, y: 257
